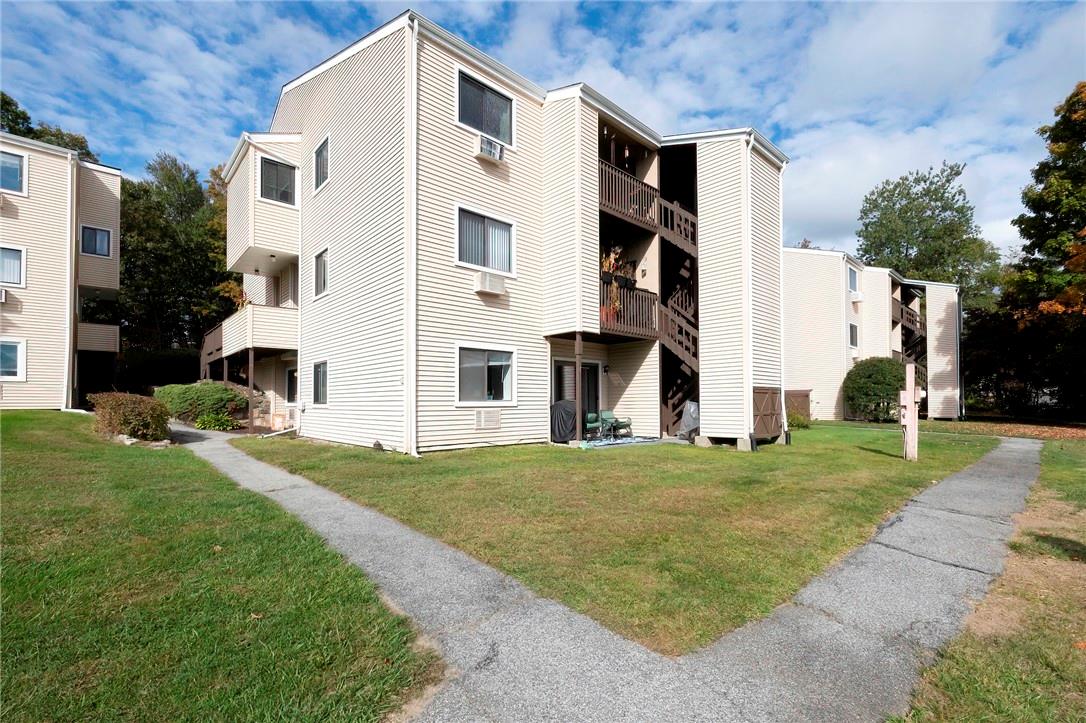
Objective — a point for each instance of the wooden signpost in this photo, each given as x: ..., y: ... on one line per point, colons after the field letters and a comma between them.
x: 910, y: 412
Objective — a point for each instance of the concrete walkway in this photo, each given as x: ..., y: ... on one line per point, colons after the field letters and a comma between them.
x: 848, y: 648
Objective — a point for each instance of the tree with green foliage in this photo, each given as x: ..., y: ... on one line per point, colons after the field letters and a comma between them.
x: 15, y: 120
x: 173, y: 268
x: 922, y: 226
x: 1027, y: 356
x: 871, y: 389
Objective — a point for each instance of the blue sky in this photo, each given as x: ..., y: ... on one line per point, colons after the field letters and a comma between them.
x: 854, y: 93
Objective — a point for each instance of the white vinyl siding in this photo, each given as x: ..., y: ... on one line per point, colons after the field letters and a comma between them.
x: 360, y: 217
x: 561, y: 242
x: 876, y: 327
x: 765, y: 250
x: 450, y: 313
x: 100, y: 208
x: 944, y: 392
x: 722, y: 347
x: 589, y: 220
x: 43, y: 223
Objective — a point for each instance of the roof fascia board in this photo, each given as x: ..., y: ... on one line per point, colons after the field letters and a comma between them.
x: 100, y: 167
x: 602, y: 104
x: 232, y: 162
x: 921, y: 282
x: 760, y: 141
x: 38, y: 145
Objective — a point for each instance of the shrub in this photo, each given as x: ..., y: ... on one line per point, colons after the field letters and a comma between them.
x: 140, y: 417
x: 871, y: 389
x: 189, y: 402
x: 798, y: 421
x: 218, y: 421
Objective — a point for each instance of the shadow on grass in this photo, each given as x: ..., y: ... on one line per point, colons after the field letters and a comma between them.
x: 883, y: 452
x: 1068, y: 549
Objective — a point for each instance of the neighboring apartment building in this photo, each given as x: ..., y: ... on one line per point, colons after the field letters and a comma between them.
x: 60, y: 222
x: 421, y: 232
x: 838, y: 311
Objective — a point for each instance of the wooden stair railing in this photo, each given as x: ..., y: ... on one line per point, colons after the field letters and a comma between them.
x: 679, y: 337
x: 679, y: 227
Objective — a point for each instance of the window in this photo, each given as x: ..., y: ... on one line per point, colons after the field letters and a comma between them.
x: 320, y: 165
x: 485, y: 376
x: 13, y: 172
x: 853, y: 279
x: 486, y: 110
x: 853, y: 335
x: 12, y: 360
x: 320, y: 383
x: 12, y: 265
x: 276, y: 181
x: 292, y: 386
x: 485, y: 243
x: 320, y: 273
x: 95, y: 241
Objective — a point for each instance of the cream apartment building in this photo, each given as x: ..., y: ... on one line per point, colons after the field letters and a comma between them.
x: 60, y: 224
x: 423, y: 234
x: 838, y: 311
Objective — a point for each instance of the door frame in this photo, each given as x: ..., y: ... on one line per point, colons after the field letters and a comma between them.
x: 600, y: 364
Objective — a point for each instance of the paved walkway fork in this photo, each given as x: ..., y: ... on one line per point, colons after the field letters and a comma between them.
x: 849, y: 647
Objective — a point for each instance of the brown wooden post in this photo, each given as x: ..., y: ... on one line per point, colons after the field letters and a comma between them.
x: 252, y: 373
x: 910, y: 413
x: 578, y: 349
x: 225, y: 369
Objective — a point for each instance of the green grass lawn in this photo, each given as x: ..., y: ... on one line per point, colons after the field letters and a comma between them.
x: 1023, y: 655
x: 668, y: 545
x: 141, y: 584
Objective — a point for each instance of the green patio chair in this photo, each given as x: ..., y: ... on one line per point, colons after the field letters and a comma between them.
x: 592, y: 424
x: 615, y: 425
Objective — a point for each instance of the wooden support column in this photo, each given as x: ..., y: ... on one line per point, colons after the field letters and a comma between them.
x: 225, y: 368
x: 578, y: 349
x: 251, y: 374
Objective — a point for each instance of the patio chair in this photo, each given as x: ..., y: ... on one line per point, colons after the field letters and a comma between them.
x: 592, y: 424
x: 615, y: 425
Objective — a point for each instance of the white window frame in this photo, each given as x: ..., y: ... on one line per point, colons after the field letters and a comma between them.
x: 20, y: 359
x: 512, y: 273
x: 852, y: 326
x: 327, y: 274
x: 316, y: 188
x: 96, y: 228
x: 853, y: 273
x: 260, y: 181
x: 484, y: 346
x: 499, y: 89
x: 297, y: 386
x: 22, y: 274
x: 25, y: 190
x: 313, y: 384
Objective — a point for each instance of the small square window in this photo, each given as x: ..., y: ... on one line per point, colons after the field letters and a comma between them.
x: 13, y: 172
x: 276, y: 181
x: 12, y: 265
x: 320, y: 165
x: 95, y: 241
x: 320, y: 383
x: 320, y: 273
x: 853, y: 335
x: 485, y: 242
x: 486, y: 110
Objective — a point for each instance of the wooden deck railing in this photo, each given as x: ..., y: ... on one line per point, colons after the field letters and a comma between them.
x: 635, y: 315
x: 911, y: 320
x: 628, y: 197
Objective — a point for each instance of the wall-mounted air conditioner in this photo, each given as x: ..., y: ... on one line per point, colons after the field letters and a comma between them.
x: 490, y: 284
x: 490, y: 150
x: 3, y: 295
x: 857, y: 297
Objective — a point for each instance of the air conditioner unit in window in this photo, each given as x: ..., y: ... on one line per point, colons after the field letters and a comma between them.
x: 3, y: 295
x: 490, y: 150
x: 857, y: 296
x: 487, y: 283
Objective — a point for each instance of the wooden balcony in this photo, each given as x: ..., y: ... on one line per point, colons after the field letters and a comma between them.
x: 253, y: 326
x: 628, y: 197
x: 98, y: 337
x: 636, y: 314
x: 912, y: 320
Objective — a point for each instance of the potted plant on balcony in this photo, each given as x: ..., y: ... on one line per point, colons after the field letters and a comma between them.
x: 609, y: 266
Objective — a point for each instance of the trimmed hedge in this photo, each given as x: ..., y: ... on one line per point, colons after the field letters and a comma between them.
x: 140, y: 417
x: 189, y: 402
x: 871, y: 389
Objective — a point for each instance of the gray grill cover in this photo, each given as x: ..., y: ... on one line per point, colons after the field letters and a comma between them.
x: 563, y: 421
x: 691, y: 420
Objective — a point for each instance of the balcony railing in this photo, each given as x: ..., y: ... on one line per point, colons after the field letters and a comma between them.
x: 910, y: 319
x: 628, y: 197
x: 628, y: 311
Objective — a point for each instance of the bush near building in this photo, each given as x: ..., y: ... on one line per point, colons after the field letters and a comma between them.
x: 190, y: 402
x: 871, y: 389
x: 140, y: 417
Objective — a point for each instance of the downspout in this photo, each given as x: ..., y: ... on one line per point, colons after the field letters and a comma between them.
x: 71, y: 270
x: 780, y: 294
x: 748, y: 297
x: 410, y: 443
